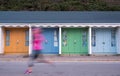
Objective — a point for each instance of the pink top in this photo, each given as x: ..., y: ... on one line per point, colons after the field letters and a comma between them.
x: 37, y: 41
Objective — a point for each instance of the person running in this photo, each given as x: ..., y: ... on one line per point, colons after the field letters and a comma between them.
x: 38, y: 39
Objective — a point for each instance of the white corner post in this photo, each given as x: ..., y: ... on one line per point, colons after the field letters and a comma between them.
x: 89, y: 41
x: 30, y: 39
x: 60, y: 35
x: 118, y: 40
x: 1, y: 40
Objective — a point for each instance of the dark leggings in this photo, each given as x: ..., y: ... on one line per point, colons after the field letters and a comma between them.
x: 33, y: 56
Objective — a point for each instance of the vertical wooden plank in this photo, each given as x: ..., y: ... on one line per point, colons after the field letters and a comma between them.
x: 97, y: 48
x: 99, y: 40
x: 78, y: 46
x: 85, y: 42
x: 56, y: 41
x: 65, y: 38
x: 118, y: 40
x: 60, y: 40
x: 90, y: 40
x: 71, y: 38
x: 107, y: 41
x: 113, y: 43
x: 47, y: 46
x: 1, y: 46
x: 30, y: 39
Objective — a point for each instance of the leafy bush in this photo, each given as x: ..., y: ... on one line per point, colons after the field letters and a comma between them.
x: 56, y: 5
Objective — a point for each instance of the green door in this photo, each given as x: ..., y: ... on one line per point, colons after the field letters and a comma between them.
x: 74, y: 41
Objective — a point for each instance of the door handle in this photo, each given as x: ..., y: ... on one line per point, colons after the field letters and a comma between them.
x: 74, y: 41
x: 17, y: 42
x: 103, y: 43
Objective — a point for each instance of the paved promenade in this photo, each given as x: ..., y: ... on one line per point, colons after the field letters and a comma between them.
x: 56, y: 58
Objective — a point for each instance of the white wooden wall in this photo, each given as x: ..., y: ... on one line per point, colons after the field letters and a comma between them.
x: 1, y: 41
x: 30, y: 40
x: 118, y: 40
x: 60, y: 25
x: 89, y: 41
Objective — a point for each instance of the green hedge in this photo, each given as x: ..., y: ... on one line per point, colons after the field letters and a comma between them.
x: 56, y: 5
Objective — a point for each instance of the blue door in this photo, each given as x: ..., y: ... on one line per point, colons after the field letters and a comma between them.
x: 51, y: 45
x: 104, y: 41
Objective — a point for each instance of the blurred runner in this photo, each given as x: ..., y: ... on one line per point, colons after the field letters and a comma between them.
x: 38, y: 39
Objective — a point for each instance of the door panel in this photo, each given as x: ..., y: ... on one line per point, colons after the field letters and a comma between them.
x: 17, y: 41
x: 84, y: 41
x: 99, y: 40
x: 113, y: 41
x: 106, y: 41
x: 72, y: 41
x: 51, y: 45
x: 102, y: 41
x: 65, y: 40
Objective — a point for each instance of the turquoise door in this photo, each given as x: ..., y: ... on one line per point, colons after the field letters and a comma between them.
x: 51, y: 45
x: 103, y: 41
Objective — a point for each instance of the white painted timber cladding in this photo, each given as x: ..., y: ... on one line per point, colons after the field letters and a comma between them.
x: 118, y: 40
x: 90, y: 40
x: 60, y: 24
x: 1, y: 40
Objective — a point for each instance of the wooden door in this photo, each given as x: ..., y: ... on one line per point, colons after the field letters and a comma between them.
x: 51, y: 45
x: 74, y: 41
x: 103, y: 41
x: 16, y: 40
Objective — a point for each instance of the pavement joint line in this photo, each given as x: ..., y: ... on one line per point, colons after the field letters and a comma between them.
x: 86, y: 61
x: 68, y: 61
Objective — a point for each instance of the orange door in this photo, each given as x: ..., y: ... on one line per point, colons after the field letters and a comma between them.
x: 16, y: 40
